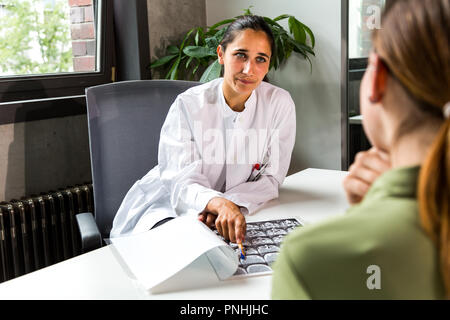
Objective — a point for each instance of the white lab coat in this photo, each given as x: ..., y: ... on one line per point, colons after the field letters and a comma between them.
x: 208, y: 150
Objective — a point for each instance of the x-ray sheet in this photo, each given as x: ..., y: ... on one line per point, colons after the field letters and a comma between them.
x: 261, y: 245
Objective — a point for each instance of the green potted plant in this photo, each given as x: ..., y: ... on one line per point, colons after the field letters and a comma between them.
x: 197, y: 52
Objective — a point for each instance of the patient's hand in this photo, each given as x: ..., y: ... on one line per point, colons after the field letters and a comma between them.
x: 366, y: 168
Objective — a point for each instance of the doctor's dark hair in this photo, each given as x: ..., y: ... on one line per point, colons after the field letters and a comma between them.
x: 253, y: 22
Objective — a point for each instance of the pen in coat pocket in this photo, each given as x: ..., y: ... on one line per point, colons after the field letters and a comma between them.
x: 261, y: 171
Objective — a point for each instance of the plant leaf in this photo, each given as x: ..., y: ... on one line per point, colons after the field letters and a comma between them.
x: 296, y: 28
x: 311, y: 35
x: 186, y: 38
x: 272, y: 23
x: 283, y: 16
x: 301, y: 48
x: 198, y: 52
x: 281, y: 51
x: 172, y: 49
x: 197, y: 35
x: 219, y: 35
x: 278, y: 55
x: 200, y: 37
x: 211, y: 42
x: 213, y: 28
x: 173, y: 72
x: 214, y: 41
x: 163, y: 61
x: 196, y: 68
x: 212, y: 72
x: 247, y: 11
x: 189, y: 62
x: 310, y: 64
x: 205, y: 62
x: 289, y: 49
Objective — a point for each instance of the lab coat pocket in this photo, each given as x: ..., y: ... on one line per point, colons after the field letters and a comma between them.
x: 257, y: 171
x: 253, y: 175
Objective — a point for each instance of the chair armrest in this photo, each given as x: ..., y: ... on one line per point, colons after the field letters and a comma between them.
x: 90, y: 235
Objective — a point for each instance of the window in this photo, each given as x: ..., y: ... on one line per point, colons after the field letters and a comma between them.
x: 53, y: 48
x: 364, y: 16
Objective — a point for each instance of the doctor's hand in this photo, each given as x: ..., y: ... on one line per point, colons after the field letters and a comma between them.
x: 366, y: 168
x: 227, y: 218
x: 208, y: 218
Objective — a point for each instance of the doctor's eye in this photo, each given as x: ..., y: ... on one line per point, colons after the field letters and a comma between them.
x: 240, y: 55
x: 261, y: 59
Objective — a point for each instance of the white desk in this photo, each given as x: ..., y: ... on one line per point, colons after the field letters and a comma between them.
x: 310, y: 195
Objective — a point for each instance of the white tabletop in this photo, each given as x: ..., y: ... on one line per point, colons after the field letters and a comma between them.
x: 311, y: 195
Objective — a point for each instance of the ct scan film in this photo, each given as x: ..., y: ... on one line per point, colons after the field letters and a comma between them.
x: 262, y: 244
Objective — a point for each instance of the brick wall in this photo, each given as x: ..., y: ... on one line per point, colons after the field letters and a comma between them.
x: 83, y: 35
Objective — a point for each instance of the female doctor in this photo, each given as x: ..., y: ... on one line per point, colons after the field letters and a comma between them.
x: 225, y: 146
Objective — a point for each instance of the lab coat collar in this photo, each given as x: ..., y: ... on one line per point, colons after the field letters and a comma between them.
x: 251, y: 101
x: 228, y: 112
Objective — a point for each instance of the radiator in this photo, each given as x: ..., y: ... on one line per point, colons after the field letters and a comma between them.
x: 38, y: 231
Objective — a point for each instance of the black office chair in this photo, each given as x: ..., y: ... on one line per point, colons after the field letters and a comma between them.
x: 124, y: 121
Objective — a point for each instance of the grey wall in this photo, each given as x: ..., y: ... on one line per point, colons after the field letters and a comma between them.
x: 169, y: 21
x: 43, y: 155
x: 317, y: 95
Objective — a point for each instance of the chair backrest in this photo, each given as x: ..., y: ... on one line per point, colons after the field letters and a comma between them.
x: 124, y: 121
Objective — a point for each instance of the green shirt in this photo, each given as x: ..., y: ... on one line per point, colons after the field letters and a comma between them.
x: 378, y: 244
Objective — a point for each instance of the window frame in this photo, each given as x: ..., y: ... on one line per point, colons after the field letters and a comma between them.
x: 356, y: 68
x: 31, y: 87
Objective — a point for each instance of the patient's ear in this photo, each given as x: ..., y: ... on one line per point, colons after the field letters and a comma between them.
x: 378, y: 74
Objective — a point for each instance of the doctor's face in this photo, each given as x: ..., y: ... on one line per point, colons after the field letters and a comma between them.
x: 246, y: 61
